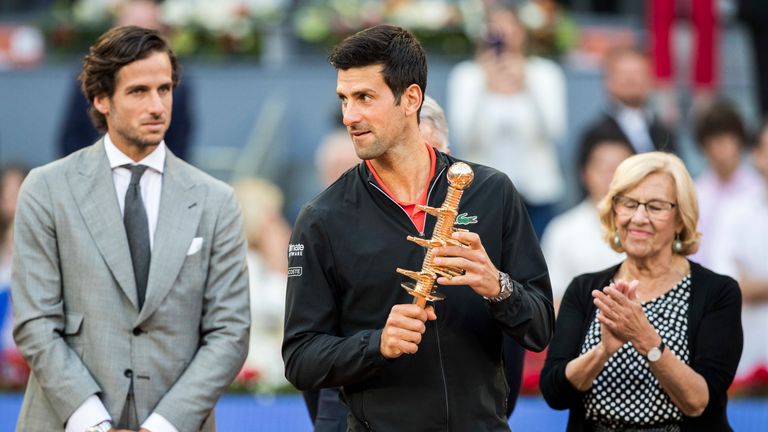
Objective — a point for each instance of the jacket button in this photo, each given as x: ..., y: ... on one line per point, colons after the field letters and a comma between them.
x: 138, y: 331
x: 128, y: 373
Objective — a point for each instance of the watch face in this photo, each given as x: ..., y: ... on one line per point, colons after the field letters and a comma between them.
x: 654, y: 354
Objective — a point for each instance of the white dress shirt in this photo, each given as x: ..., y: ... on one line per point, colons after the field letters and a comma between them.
x: 92, y: 411
x: 635, y: 125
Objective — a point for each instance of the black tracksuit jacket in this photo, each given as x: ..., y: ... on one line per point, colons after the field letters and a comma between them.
x: 342, y: 284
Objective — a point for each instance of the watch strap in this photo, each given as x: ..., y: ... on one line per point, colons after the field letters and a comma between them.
x: 505, y: 282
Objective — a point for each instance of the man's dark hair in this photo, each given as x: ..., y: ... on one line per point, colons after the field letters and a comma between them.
x: 395, y: 48
x: 720, y: 118
x: 116, y: 48
x: 596, y: 136
x: 592, y: 139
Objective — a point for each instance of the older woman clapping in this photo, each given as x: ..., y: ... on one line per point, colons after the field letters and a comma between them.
x: 653, y: 343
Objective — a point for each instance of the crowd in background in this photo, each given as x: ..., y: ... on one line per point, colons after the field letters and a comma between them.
x: 506, y: 108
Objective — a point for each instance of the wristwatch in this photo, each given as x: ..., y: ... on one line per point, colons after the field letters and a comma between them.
x: 505, y: 282
x: 654, y: 354
x: 104, y: 426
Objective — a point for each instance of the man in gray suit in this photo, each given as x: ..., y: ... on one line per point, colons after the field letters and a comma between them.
x: 130, y: 286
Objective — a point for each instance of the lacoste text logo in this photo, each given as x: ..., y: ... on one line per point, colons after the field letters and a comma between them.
x: 295, y: 250
x: 294, y: 271
x: 463, y: 219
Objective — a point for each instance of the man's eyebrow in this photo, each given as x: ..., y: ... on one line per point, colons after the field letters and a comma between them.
x: 136, y: 86
x: 357, y: 93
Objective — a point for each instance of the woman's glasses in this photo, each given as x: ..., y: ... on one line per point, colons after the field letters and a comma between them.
x: 656, y: 209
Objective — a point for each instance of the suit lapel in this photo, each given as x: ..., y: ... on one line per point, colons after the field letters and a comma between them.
x: 177, y: 221
x: 94, y: 193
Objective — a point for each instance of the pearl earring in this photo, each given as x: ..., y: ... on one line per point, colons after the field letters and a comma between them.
x: 677, y: 244
x: 616, y: 239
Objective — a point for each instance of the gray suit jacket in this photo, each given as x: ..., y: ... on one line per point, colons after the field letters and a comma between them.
x: 76, y: 318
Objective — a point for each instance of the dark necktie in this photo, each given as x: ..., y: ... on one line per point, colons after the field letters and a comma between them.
x: 137, y: 230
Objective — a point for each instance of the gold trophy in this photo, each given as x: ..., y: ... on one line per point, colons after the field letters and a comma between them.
x: 460, y: 176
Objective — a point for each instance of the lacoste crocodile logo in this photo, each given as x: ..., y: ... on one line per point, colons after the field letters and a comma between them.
x: 463, y: 219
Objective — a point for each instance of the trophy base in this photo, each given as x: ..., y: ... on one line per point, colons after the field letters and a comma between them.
x: 432, y: 296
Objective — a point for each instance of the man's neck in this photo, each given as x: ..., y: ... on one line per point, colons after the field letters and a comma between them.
x: 620, y: 105
x: 405, y: 169
x: 135, y: 152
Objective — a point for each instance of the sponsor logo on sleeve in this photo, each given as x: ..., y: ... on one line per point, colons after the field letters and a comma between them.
x: 294, y: 271
x: 295, y: 250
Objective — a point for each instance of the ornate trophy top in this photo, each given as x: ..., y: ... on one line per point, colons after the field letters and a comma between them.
x: 460, y: 175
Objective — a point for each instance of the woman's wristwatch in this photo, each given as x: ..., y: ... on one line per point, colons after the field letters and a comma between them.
x: 654, y: 354
x: 505, y: 282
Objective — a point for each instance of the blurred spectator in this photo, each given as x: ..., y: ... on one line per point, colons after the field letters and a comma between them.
x: 573, y: 243
x: 13, y: 370
x: 77, y: 131
x: 742, y: 248
x: 433, y: 125
x: 720, y: 133
x: 11, y: 177
x: 334, y: 156
x: 508, y: 110
x: 704, y: 54
x: 267, y: 234
x: 628, y: 82
x: 754, y: 14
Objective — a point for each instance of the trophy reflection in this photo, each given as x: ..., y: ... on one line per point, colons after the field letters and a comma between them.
x: 460, y: 176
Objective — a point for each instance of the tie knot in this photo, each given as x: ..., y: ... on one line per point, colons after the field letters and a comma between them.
x: 136, y: 172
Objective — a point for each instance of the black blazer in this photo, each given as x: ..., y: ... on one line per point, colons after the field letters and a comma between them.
x: 606, y: 125
x: 714, y: 340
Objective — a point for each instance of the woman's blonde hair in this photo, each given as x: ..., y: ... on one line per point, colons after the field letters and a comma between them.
x: 259, y: 200
x: 633, y: 171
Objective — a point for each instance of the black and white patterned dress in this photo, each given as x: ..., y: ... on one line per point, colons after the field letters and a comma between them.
x: 625, y: 393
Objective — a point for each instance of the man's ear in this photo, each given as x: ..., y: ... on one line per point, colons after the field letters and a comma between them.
x: 412, y: 98
x: 102, y: 103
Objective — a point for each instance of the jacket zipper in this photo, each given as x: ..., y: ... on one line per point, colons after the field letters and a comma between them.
x: 431, y: 188
x: 445, y: 381
x: 437, y: 333
x: 398, y: 205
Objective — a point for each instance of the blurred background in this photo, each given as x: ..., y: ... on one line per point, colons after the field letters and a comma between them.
x: 257, y: 108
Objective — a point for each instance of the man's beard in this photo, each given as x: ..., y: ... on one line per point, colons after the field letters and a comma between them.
x: 136, y: 139
x: 144, y: 143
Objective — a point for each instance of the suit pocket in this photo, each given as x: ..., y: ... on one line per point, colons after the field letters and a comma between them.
x: 73, y: 323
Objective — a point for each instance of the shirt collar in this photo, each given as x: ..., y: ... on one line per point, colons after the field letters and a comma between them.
x: 154, y: 160
x: 618, y: 109
x: 423, y: 198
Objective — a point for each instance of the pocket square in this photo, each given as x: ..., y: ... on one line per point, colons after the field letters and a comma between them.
x: 195, y: 246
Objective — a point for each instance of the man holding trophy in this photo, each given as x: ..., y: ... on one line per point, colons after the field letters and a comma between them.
x: 402, y: 366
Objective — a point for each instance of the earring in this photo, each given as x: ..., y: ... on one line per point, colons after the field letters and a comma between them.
x: 677, y: 244
x: 616, y: 239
